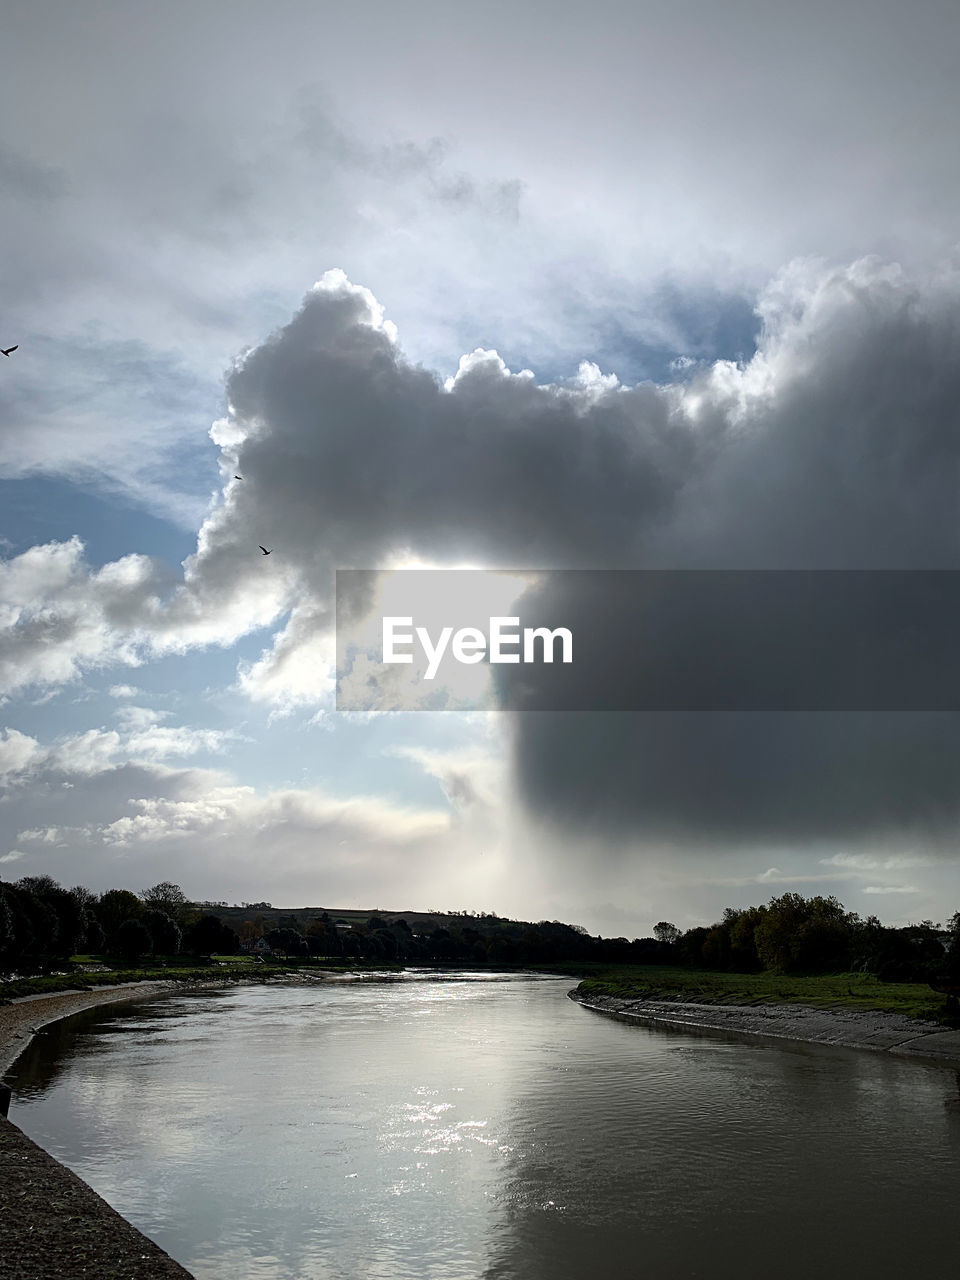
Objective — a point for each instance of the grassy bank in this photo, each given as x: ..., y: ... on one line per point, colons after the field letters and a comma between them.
x: 823, y: 991
x: 176, y: 971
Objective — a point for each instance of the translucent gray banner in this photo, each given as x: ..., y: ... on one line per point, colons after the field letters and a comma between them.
x: 648, y: 640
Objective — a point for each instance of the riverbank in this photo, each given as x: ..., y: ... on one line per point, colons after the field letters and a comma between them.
x: 53, y: 1222
x: 55, y: 1225
x: 879, y: 1030
x: 23, y: 1017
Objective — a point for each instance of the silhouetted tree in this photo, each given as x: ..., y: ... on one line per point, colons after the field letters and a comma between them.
x: 951, y: 962
x: 96, y: 939
x: 165, y: 936
x: 666, y: 933
x: 68, y: 935
x: 798, y: 933
x: 132, y: 941
x: 168, y: 898
x: 287, y: 942
x: 7, y: 934
x: 691, y: 946
x: 34, y: 927
x: 115, y: 906
x: 743, y: 939
x: 210, y: 935
x: 323, y: 937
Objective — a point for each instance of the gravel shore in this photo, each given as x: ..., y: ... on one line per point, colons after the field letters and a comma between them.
x: 850, y: 1028
x: 55, y: 1225
x: 20, y: 1018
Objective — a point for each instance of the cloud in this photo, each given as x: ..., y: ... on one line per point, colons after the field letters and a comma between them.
x: 473, y: 779
x: 17, y: 753
x: 129, y: 301
x: 128, y: 820
x: 545, y: 223
x: 833, y: 446
x: 352, y: 455
x: 140, y: 740
x: 890, y: 888
x: 865, y: 862
x: 123, y: 691
x: 59, y: 617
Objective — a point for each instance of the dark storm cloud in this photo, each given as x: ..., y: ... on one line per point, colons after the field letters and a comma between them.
x: 835, y: 446
x: 373, y: 454
x: 723, y: 779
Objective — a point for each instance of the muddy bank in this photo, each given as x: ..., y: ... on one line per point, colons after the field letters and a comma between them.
x: 21, y: 1018
x: 850, y: 1028
x: 27, y: 1015
x: 24, y: 1016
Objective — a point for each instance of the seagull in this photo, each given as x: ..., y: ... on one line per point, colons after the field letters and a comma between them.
x: 8, y: 350
x: 264, y: 550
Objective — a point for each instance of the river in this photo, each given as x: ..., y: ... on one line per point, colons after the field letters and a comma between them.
x: 464, y: 1126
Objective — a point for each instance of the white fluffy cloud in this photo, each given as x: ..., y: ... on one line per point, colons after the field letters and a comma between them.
x: 100, y: 809
x: 17, y: 752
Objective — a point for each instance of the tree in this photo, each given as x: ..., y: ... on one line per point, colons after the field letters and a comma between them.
x: 442, y: 945
x: 287, y: 942
x: 165, y: 936
x: 666, y: 933
x: 93, y: 936
x: 132, y: 941
x: 96, y: 939
x: 168, y: 898
x: 34, y: 927
x: 115, y: 906
x: 323, y: 938
x: 249, y: 931
x: 716, y: 947
x: 953, y: 952
x: 7, y: 935
x: 208, y: 935
x: 743, y: 939
x: 68, y: 935
x: 691, y: 946
x: 798, y: 933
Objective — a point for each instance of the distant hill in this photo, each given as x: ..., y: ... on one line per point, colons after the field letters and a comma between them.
x: 299, y: 917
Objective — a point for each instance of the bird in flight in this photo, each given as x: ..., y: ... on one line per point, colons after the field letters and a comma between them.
x: 264, y: 550
x: 238, y: 477
x: 8, y: 350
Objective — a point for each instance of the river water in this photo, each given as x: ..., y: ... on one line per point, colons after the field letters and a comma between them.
x: 470, y: 1126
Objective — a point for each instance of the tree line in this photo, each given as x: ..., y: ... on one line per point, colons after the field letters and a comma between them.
x: 794, y: 934
x: 42, y: 924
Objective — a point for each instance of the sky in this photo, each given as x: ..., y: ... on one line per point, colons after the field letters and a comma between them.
x: 649, y: 285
